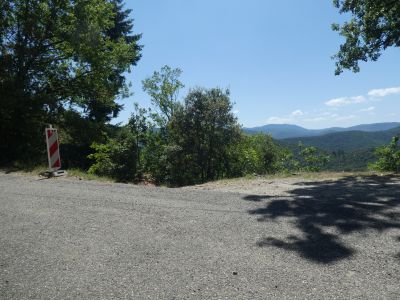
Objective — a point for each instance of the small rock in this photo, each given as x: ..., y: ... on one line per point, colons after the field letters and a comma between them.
x: 235, y: 273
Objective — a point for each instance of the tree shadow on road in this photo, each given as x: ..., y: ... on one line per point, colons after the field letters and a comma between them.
x: 324, y: 211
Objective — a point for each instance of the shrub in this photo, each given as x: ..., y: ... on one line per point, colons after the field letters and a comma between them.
x: 312, y: 159
x: 388, y: 157
x: 115, y: 159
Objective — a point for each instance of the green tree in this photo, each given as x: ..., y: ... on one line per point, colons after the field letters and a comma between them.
x: 374, y: 27
x: 123, y: 25
x: 116, y: 158
x: 60, y: 55
x: 388, y: 157
x: 121, y: 155
x: 312, y: 160
x: 258, y: 154
x: 202, y: 132
x: 163, y: 88
x: 140, y: 128
x: 155, y: 156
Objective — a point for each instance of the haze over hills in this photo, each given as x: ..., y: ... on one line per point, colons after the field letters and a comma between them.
x: 284, y: 131
x: 347, y: 140
x: 348, y: 150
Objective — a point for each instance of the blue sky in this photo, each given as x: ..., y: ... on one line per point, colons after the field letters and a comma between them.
x: 275, y: 56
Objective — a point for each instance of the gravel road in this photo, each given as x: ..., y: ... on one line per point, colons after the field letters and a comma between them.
x: 326, y: 239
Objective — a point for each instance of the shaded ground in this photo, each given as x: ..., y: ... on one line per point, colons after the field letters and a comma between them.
x: 324, y: 211
x: 268, y: 239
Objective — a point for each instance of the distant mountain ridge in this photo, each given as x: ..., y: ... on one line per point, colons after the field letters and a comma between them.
x: 348, y: 150
x: 346, y: 140
x: 285, y: 131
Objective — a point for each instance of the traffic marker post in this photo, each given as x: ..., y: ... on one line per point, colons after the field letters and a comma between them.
x: 53, y: 152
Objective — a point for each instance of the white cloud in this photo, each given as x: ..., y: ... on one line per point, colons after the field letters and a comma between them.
x: 297, y: 113
x: 379, y: 93
x: 336, y: 102
x: 278, y: 120
x: 345, y: 100
x: 369, y: 109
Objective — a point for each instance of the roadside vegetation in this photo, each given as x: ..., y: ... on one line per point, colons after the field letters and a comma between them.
x: 182, y: 143
x: 389, y: 157
x: 63, y: 63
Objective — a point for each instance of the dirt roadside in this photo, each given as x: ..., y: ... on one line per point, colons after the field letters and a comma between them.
x: 281, y: 186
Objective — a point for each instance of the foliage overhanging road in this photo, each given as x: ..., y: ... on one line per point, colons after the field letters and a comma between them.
x: 65, y: 238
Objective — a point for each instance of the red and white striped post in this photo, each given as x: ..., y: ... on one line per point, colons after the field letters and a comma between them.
x: 53, y: 151
x: 53, y: 148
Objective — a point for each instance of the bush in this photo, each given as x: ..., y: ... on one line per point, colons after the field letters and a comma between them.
x: 115, y: 159
x: 312, y: 159
x: 258, y: 154
x: 389, y: 157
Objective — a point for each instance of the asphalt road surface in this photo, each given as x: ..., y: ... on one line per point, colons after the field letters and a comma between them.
x: 71, y: 239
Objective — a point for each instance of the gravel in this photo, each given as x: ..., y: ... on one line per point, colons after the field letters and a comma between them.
x: 328, y: 239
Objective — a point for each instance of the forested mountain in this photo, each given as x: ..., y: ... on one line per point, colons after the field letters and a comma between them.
x: 280, y: 131
x: 348, y: 151
x: 284, y: 131
x: 374, y: 127
x: 348, y: 140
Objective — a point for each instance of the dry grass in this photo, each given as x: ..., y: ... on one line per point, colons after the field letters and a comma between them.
x: 38, y: 170
x: 279, y: 184
x: 80, y: 174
